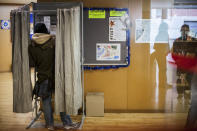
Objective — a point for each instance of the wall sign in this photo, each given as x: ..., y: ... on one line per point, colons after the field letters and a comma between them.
x: 5, y: 24
x: 117, y: 13
x: 47, y: 22
x: 96, y: 14
x: 117, y: 30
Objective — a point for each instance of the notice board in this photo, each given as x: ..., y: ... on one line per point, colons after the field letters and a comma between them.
x: 106, y: 39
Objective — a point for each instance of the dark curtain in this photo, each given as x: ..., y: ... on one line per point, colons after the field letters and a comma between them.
x: 22, y: 87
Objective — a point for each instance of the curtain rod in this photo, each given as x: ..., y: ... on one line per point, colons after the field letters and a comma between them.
x: 38, y: 10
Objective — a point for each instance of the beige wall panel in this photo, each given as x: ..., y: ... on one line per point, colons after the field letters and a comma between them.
x: 106, y: 3
x: 5, y: 11
x: 59, y: 0
x: 114, y: 85
x: 17, y: 1
x: 5, y: 41
x: 5, y: 51
x: 146, y: 5
x: 140, y: 93
x: 143, y: 93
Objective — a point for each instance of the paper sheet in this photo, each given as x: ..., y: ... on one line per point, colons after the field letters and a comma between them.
x: 107, y: 51
x: 117, y: 31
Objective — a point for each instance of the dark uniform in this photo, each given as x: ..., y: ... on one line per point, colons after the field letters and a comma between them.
x: 184, y: 77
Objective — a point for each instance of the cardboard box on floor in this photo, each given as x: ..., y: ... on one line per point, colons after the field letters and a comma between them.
x: 95, y: 104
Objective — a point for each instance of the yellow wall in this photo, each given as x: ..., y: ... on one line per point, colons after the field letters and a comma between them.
x: 17, y: 1
x: 5, y: 41
x: 125, y: 89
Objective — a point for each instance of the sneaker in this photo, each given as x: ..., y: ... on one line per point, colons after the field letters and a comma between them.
x: 75, y: 124
x: 67, y: 127
x: 51, y: 128
x: 71, y: 126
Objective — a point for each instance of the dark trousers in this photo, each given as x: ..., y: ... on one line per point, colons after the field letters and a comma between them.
x: 188, y: 77
x: 47, y: 106
x: 192, y: 114
x: 47, y: 110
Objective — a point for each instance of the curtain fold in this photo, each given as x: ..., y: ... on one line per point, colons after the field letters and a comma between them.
x: 22, y: 88
x: 68, y: 86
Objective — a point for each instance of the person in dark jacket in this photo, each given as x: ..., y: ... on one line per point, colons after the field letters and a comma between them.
x: 42, y: 54
x: 184, y: 77
x: 187, y: 70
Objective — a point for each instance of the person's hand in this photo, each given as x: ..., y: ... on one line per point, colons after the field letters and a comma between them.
x: 195, y: 69
x: 191, y: 55
x: 189, y: 38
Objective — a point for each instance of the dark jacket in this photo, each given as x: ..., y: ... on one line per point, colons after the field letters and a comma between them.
x: 42, y: 53
x: 188, y: 38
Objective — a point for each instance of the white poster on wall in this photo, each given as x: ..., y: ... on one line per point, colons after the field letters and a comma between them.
x: 47, y: 22
x: 53, y: 29
x: 152, y: 31
x: 117, y: 30
x: 108, y: 51
x: 142, y: 31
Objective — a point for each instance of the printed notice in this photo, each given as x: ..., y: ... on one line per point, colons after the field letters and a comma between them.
x: 47, y: 22
x: 117, y: 13
x: 107, y: 52
x: 151, y: 31
x: 96, y: 14
x: 53, y: 30
x: 117, y: 30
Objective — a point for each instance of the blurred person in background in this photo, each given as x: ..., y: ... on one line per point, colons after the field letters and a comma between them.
x: 187, y: 65
x: 184, y: 77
